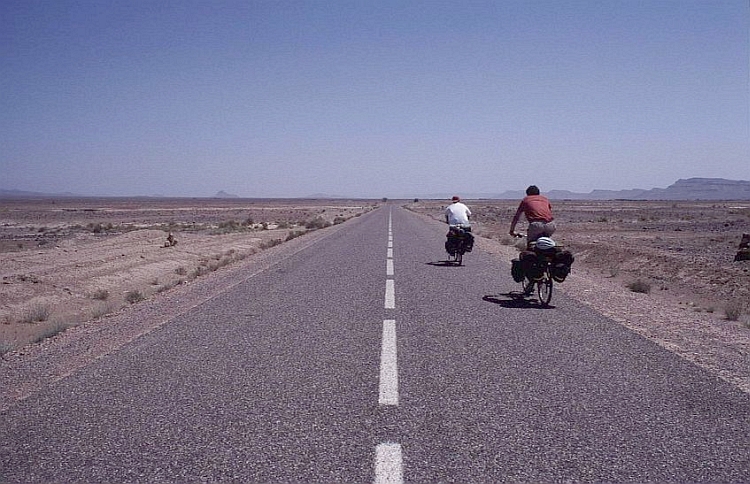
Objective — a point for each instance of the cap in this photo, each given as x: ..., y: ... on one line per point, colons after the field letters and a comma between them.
x: 455, y: 198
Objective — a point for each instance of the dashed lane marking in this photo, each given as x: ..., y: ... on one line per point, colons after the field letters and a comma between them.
x: 388, y: 365
x: 388, y: 464
x: 390, y: 294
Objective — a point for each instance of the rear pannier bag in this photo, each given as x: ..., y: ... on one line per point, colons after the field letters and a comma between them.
x: 530, y: 264
x: 561, y: 265
x: 559, y: 272
x: 564, y: 257
x: 516, y: 270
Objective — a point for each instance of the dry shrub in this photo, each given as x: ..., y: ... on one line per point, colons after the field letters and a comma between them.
x: 267, y: 244
x: 103, y: 309
x: 36, y: 313
x: 100, y: 295
x: 5, y: 347
x: 640, y: 286
x: 134, y: 296
x: 50, y: 331
x: 317, y: 223
x: 734, y: 310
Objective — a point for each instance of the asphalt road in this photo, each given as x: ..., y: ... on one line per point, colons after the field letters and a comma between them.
x: 365, y: 358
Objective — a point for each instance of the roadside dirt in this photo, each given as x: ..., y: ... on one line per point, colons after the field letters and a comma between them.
x: 67, y: 262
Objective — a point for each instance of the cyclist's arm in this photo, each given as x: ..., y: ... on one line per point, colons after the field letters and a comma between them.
x: 516, y: 217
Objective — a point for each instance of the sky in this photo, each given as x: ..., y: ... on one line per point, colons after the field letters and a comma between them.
x: 371, y: 99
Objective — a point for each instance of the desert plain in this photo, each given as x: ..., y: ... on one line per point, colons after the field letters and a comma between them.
x: 664, y: 269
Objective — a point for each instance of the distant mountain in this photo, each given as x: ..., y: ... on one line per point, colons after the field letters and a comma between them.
x: 28, y: 194
x: 223, y: 194
x: 682, y: 189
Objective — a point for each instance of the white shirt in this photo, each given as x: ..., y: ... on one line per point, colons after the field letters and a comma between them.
x: 458, y: 214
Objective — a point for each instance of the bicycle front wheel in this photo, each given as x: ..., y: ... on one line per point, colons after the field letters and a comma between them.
x: 544, y: 290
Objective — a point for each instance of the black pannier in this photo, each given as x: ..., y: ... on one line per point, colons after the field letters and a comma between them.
x: 516, y: 270
x: 530, y: 265
x: 455, y: 236
x: 561, y: 265
x: 559, y: 272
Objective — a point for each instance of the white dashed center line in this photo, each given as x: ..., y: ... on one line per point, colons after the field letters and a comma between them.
x: 388, y: 466
x: 388, y: 461
x: 390, y: 294
x: 388, y: 365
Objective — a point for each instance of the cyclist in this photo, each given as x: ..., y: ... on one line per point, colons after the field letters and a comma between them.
x: 458, y: 214
x: 538, y: 212
x: 457, y: 217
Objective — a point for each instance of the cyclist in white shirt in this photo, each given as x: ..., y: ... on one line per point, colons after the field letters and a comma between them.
x: 458, y: 214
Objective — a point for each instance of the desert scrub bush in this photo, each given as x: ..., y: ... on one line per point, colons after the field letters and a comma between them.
x: 316, y: 223
x: 102, y: 309
x: 36, y: 313
x: 5, y: 347
x: 734, y: 310
x: 134, y: 296
x: 229, y: 226
x: 180, y: 271
x: 267, y: 244
x: 339, y: 220
x: 100, y: 295
x: 98, y: 228
x: 51, y: 331
x: 198, y: 271
x: 640, y: 286
x: 294, y: 234
x: 168, y: 285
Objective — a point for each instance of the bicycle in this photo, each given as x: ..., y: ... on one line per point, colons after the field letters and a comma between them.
x: 540, y: 277
x: 542, y: 280
x: 459, y: 241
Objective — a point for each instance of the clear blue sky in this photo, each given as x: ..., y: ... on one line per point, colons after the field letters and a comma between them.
x: 292, y: 98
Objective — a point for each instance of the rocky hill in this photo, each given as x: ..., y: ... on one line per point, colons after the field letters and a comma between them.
x: 683, y: 189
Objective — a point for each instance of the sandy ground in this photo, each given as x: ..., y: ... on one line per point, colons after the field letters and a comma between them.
x: 66, y: 262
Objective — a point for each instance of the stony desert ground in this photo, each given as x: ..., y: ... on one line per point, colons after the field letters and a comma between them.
x: 64, y: 262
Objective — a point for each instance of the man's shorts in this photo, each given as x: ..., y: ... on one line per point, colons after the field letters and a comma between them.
x: 540, y: 229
